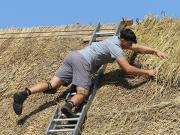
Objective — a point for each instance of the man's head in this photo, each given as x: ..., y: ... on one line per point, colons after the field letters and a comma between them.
x: 127, y: 37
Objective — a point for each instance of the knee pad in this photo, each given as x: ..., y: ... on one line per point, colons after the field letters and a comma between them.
x: 50, y: 89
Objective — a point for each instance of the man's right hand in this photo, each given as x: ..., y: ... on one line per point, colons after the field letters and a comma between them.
x: 123, y: 63
x: 152, y: 72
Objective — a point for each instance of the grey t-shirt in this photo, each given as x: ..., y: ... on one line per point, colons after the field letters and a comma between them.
x: 103, y: 52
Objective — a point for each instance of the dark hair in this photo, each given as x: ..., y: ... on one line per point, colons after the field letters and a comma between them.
x: 128, y: 35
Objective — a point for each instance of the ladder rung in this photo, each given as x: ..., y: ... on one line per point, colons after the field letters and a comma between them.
x: 78, y: 113
x: 105, y: 33
x: 63, y: 115
x: 72, y: 125
x: 61, y: 130
x: 74, y: 93
x: 68, y: 119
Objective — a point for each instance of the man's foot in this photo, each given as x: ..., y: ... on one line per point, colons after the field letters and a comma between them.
x: 19, y: 98
x: 66, y: 110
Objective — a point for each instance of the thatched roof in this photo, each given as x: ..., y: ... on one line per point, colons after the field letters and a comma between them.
x: 123, y: 104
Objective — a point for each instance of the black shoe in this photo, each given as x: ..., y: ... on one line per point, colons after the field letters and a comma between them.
x: 66, y: 110
x: 19, y: 98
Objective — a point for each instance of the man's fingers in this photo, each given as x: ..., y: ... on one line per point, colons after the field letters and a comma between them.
x: 163, y: 55
x: 167, y: 56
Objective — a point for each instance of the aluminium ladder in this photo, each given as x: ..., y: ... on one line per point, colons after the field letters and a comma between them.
x: 59, y: 123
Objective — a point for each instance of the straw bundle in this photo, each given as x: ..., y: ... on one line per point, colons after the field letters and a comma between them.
x: 162, y: 34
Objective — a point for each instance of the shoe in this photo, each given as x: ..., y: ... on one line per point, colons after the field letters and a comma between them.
x: 66, y: 110
x: 19, y: 98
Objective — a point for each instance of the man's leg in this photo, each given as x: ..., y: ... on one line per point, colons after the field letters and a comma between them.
x: 21, y: 96
x: 53, y: 85
x: 80, y: 96
x: 80, y: 77
x: 75, y: 101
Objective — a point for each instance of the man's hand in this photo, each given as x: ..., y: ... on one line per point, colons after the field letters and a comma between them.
x: 123, y: 63
x: 161, y: 55
x: 147, y: 50
x: 152, y: 73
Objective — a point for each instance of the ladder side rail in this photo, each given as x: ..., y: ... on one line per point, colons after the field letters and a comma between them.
x: 93, y: 37
x: 51, y: 124
x: 57, y: 114
x: 117, y: 32
x: 85, y: 109
x: 103, y: 67
x: 94, y: 87
x: 94, y: 90
x: 86, y: 106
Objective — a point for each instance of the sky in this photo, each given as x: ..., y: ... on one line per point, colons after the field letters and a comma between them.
x: 30, y: 13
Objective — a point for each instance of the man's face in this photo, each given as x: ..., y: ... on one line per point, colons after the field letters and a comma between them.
x: 125, y: 44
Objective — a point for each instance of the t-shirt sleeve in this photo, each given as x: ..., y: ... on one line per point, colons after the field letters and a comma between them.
x: 115, y: 51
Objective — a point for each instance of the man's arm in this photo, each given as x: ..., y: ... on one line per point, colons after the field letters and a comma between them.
x: 147, y: 50
x: 129, y: 69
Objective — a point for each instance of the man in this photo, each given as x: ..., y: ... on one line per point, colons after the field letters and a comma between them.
x: 79, y: 65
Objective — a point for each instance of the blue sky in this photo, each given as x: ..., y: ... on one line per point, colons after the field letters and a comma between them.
x: 28, y: 13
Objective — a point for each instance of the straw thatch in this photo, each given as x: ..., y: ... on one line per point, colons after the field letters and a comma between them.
x: 162, y: 34
x: 123, y: 104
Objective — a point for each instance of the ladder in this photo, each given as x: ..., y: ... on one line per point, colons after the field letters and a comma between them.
x: 59, y: 123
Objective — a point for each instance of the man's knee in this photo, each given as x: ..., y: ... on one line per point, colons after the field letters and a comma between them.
x: 82, y: 91
x: 56, y: 82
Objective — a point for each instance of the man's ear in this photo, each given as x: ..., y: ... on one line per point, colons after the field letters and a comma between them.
x: 132, y: 46
x: 122, y: 40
